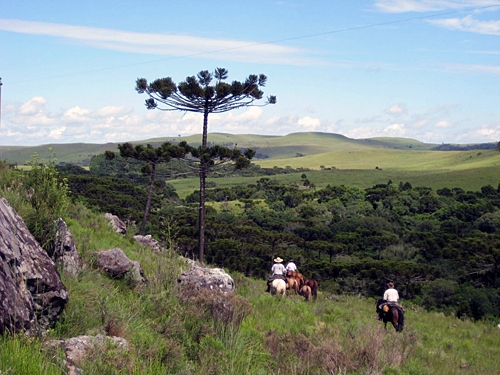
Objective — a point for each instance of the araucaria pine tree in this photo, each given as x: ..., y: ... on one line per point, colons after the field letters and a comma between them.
x: 202, y: 94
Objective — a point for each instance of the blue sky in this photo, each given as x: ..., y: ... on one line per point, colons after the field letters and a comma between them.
x: 427, y: 69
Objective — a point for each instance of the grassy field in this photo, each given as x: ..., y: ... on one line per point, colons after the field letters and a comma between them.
x: 468, y: 179
x: 171, y: 334
x: 275, y: 147
x: 354, y: 162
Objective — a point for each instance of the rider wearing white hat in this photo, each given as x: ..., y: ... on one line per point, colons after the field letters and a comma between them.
x: 278, y: 270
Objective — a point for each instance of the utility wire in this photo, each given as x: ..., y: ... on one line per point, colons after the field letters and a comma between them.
x: 272, y: 42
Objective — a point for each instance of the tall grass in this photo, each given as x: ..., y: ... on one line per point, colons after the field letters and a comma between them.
x: 23, y: 355
x: 176, y: 330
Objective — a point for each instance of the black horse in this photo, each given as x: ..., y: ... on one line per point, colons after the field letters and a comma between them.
x: 391, y: 313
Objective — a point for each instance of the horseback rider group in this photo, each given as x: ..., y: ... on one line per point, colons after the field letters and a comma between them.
x: 279, y: 271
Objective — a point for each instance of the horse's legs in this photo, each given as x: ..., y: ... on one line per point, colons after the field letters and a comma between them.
x: 395, y: 322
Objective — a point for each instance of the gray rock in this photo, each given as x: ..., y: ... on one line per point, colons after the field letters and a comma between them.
x: 115, y: 264
x: 65, y: 251
x: 32, y: 295
x: 149, y: 241
x: 118, y: 225
x: 208, y: 278
x: 76, y: 349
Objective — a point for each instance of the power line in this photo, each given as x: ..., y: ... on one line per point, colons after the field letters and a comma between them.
x: 272, y: 42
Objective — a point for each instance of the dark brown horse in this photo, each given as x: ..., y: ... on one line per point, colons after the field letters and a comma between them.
x: 313, y: 284
x: 390, y: 313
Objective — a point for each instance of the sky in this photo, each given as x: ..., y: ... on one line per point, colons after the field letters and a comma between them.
x: 422, y: 69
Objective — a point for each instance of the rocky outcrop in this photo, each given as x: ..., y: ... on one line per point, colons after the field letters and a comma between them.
x: 208, y: 278
x: 65, y: 251
x: 118, y: 225
x: 77, y: 349
x: 149, y: 241
x: 116, y: 265
x: 32, y: 295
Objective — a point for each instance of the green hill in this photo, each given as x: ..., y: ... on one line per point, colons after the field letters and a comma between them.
x: 274, y: 147
x: 360, y: 162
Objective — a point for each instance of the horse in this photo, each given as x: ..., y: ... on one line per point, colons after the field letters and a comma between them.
x: 297, y: 276
x: 313, y: 284
x: 292, y: 284
x: 305, y: 292
x: 390, y: 313
x: 278, y: 286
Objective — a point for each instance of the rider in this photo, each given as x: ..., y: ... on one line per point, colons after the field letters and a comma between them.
x: 291, y: 266
x: 391, y: 296
x: 278, y: 270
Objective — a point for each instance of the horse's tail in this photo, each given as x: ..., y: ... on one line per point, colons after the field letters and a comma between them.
x: 401, y: 318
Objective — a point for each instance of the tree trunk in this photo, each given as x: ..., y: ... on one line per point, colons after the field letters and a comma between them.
x: 201, y: 215
x: 203, y: 173
x: 148, y: 202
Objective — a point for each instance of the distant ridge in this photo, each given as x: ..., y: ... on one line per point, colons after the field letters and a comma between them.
x: 267, y: 146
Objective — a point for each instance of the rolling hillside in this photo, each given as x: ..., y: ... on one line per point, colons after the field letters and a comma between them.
x: 268, y: 147
x: 332, y: 159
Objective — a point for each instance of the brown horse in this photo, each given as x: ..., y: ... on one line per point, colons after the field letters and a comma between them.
x: 292, y: 284
x: 313, y: 284
x: 390, y: 313
x: 297, y: 276
x: 305, y: 292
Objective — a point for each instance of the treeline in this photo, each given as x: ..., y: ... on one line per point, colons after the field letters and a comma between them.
x: 478, y: 146
x: 442, y: 248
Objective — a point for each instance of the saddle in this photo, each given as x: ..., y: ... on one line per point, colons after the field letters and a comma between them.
x: 386, y: 305
x: 274, y: 277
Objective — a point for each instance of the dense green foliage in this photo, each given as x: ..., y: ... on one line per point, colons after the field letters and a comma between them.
x: 441, y: 247
x: 434, y: 244
x: 40, y: 195
x: 176, y: 330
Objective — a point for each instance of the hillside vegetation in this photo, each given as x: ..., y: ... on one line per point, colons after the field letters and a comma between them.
x: 440, y: 245
x: 175, y: 331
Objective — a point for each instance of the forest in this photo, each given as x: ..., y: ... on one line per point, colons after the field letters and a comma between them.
x: 441, y: 248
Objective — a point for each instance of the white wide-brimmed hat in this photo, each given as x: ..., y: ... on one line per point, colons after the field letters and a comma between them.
x: 278, y: 260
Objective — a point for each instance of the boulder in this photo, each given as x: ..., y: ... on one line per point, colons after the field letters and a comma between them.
x: 76, y: 349
x: 149, y: 241
x: 32, y: 295
x: 65, y: 251
x: 208, y: 278
x: 115, y: 264
x: 118, y: 225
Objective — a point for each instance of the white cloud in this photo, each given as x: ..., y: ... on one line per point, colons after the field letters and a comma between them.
x: 76, y: 114
x: 401, y: 6
x: 396, y: 110
x: 443, y: 124
x: 363, y: 132
x: 251, y: 114
x: 113, y: 111
x: 395, y: 130
x: 165, y: 44
x: 32, y: 124
x: 472, y: 68
x: 469, y: 24
x: 33, y: 107
x: 308, y: 123
x: 57, y: 133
